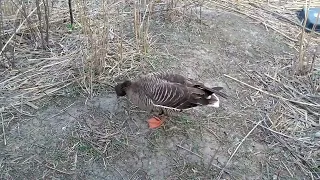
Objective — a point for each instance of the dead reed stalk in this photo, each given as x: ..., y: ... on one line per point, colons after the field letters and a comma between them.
x: 70, y: 12
x: 95, y: 51
x: 290, y: 100
x: 1, y: 25
x: 40, y: 23
x: 46, y: 16
x: 302, y: 66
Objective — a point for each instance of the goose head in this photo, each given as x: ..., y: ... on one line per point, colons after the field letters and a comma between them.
x: 122, y: 87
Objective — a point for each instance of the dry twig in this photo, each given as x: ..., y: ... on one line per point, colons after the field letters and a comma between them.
x: 17, y: 30
x: 235, y: 151
x: 3, y: 129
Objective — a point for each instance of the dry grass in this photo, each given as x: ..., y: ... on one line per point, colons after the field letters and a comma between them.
x: 41, y: 52
x: 281, y: 18
x: 292, y: 101
x: 41, y: 55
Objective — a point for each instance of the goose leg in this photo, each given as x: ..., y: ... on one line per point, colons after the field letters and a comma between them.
x: 156, y: 121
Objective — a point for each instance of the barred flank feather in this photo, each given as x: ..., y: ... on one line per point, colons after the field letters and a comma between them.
x: 167, y: 93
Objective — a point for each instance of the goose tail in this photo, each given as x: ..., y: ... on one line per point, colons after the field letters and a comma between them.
x: 214, y: 101
x: 217, y: 91
x: 203, y: 98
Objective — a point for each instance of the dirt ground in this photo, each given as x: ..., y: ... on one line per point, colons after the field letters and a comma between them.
x: 61, y: 141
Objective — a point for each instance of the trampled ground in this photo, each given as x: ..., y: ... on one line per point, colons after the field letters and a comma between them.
x: 73, y: 137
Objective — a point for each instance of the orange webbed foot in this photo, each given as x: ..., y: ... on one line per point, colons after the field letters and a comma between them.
x: 155, y: 122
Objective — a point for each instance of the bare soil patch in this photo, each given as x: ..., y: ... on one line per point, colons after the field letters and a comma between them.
x: 72, y: 136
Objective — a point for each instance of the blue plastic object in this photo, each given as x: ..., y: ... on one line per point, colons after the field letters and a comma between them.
x: 311, y: 19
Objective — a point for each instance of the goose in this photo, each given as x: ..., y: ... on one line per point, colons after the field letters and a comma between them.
x: 166, y: 93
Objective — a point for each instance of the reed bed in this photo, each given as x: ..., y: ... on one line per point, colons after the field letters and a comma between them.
x: 290, y: 91
x: 43, y: 50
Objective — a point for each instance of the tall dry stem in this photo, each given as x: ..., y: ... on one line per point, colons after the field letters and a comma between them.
x: 1, y: 24
x: 70, y: 12
x: 40, y: 23
x: 137, y: 21
x: 85, y: 68
x: 141, y: 24
x: 301, y: 62
x: 46, y: 17
x: 146, y: 30
x: 104, y: 34
x: 28, y: 22
x: 120, y: 38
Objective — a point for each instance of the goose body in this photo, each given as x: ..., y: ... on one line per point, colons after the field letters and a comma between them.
x: 166, y: 93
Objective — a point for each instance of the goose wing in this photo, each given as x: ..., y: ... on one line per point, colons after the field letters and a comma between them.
x: 173, y: 95
x: 177, y: 78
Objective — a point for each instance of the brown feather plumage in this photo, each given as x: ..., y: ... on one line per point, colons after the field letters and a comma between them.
x: 166, y: 92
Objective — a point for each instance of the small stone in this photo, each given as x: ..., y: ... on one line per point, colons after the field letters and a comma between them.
x: 317, y: 134
x: 275, y: 177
